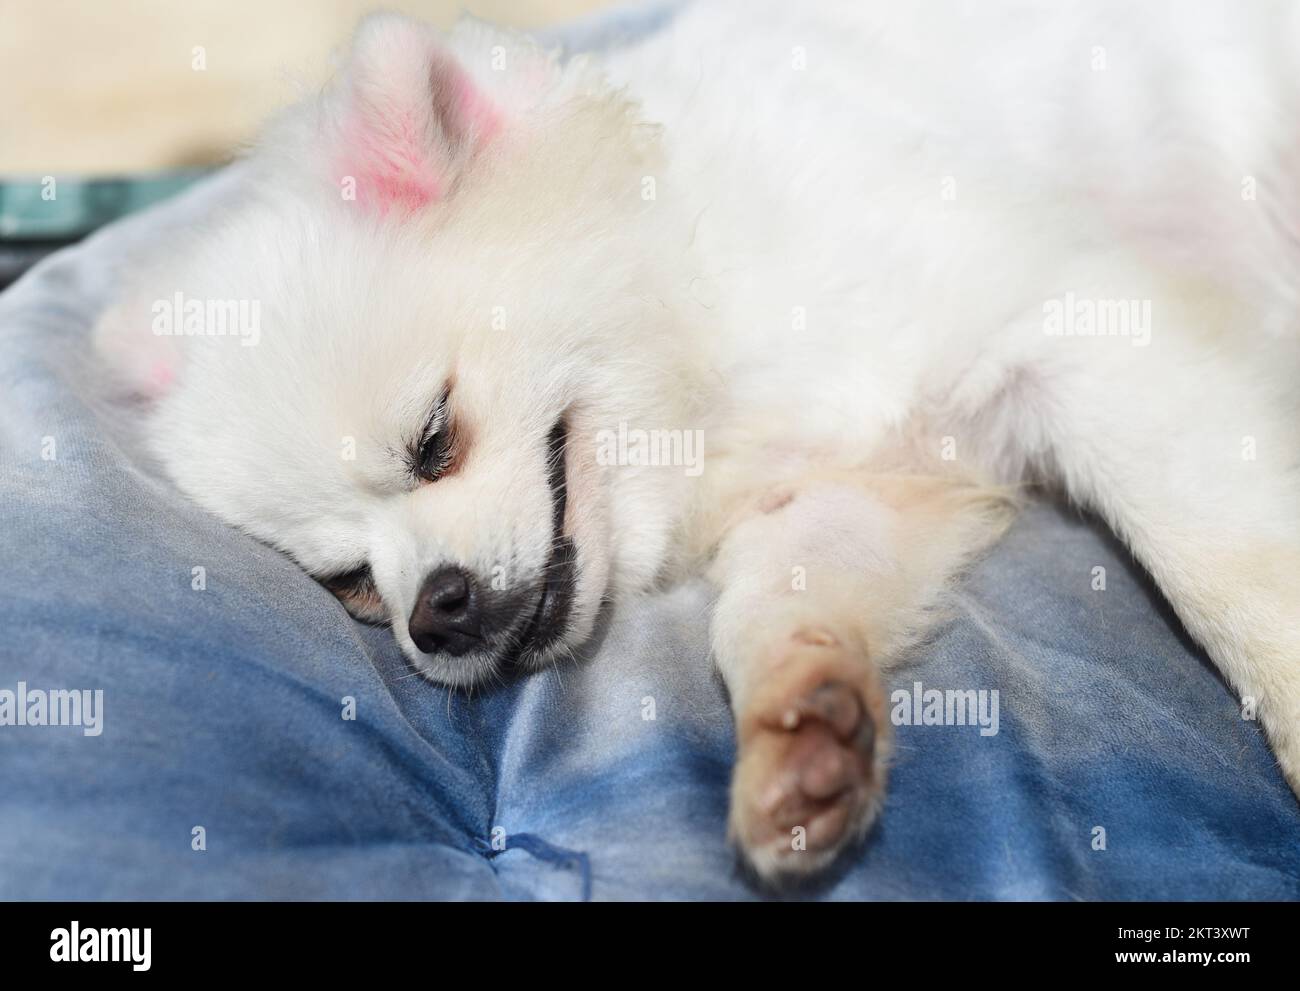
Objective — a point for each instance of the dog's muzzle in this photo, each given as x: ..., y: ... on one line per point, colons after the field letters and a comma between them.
x: 456, y: 613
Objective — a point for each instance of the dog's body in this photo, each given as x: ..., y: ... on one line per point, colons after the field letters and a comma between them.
x: 890, y: 262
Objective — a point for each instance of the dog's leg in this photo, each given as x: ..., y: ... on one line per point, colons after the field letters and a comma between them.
x: 1190, y: 456
x: 820, y: 585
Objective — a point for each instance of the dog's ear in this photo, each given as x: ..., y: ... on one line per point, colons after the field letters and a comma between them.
x: 407, y: 116
x: 137, y: 362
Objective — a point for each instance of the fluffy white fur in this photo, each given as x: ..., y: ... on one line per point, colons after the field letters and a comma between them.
x: 828, y: 236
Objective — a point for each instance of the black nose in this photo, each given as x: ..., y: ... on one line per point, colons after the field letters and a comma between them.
x: 447, y: 617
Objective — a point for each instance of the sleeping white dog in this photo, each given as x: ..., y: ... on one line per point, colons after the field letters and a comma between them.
x: 863, y: 270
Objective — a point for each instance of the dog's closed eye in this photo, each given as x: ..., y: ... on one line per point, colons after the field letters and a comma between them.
x: 434, y: 456
x: 438, y: 447
x: 357, y: 591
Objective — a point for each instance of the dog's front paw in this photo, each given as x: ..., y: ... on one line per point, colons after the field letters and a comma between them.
x: 810, y: 773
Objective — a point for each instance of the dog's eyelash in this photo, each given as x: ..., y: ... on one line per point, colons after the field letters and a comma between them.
x: 355, y: 581
x: 433, y: 455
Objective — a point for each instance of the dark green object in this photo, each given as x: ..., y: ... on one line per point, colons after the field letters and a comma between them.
x: 38, y: 215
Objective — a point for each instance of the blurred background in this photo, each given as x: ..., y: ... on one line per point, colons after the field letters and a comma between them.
x: 102, y: 87
x: 109, y: 105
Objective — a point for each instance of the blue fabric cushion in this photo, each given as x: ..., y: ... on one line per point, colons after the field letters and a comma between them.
x: 223, y: 708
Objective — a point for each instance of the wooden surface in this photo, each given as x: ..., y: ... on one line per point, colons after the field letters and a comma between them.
x: 102, y: 87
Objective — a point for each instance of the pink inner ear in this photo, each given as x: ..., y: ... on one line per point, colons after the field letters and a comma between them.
x: 405, y: 150
x: 393, y: 165
x: 161, y: 375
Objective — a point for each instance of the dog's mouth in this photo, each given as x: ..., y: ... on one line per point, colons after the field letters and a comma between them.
x: 549, y: 620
